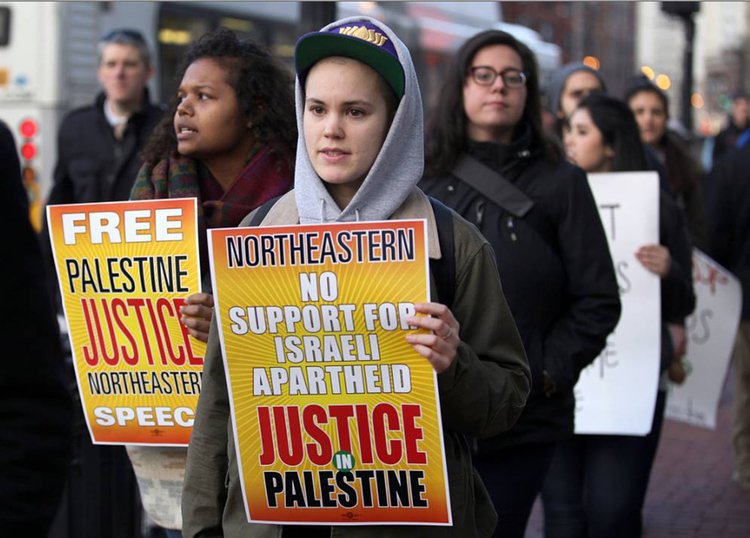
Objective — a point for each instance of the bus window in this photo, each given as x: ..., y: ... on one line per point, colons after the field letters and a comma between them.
x: 181, y: 23
x: 4, y: 26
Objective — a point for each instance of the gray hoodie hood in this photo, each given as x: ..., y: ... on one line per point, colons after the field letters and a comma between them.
x: 396, y: 170
x: 558, y: 80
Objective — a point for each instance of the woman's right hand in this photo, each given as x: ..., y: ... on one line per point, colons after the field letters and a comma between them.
x: 197, y: 314
x: 655, y: 258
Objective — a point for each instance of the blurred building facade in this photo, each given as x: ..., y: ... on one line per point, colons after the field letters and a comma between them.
x: 721, y: 64
x: 723, y: 59
x: 605, y: 31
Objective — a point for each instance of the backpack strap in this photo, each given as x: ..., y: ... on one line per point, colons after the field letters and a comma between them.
x: 263, y: 210
x: 509, y: 198
x: 444, y: 269
x: 493, y: 186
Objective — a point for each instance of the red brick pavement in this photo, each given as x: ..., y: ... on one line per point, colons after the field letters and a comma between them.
x: 690, y: 494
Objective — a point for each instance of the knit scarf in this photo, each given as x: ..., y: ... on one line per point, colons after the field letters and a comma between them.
x: 265, y: 176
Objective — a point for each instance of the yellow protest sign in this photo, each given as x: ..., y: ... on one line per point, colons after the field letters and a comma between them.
x: 125, y: 269
x: 336, y: 417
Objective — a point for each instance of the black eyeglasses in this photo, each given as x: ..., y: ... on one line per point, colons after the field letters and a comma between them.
x: 486, y: 76
x: 120, y: 33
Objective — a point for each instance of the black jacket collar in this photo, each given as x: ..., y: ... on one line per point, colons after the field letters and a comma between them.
x: 507, y: 159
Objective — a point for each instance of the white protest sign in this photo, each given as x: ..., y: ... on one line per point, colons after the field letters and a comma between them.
x: 711, y: 331
x: 616, y: 394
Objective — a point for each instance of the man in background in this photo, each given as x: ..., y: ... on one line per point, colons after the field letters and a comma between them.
x: 98, y: 161
x: 728, y: 217
x: 739, y: 121
x: 98, y: 144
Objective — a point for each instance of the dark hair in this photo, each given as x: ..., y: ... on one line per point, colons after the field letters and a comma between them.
x: 616, y: 122
x: 648, y: 87
x: 445, y: 134
x: 680, y: 166
x: 263, y: 88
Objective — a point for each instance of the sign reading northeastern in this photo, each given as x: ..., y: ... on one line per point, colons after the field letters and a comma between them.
x: 336, y: 417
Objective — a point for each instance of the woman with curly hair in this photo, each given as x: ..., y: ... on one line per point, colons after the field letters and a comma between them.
x: 228, y: 140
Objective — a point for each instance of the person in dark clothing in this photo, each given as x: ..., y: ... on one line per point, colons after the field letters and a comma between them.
x: 35, y: 407
x: 650, y: 106
x: 487, y: 158
x: 98, y: 160
x: 567, y: 86
x: 98, y: 144
x: 739, y: 122
x: 728, y: 209
x: 359, y: 115
x: 597, y: 483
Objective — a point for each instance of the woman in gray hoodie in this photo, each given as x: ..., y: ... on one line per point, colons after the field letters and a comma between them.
x: 359, y: 158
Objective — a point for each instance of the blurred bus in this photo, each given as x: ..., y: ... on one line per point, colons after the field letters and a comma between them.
x: 48, y: 54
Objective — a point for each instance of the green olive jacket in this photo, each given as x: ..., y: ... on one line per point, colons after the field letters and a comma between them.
x: 482, y: 394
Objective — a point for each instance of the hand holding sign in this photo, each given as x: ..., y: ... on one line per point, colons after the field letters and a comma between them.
x: 677, y: 372
x: 439, y: 347
x: 197, y: 314
x: 710, y: 338
x: 336, y: 417
x: 655, y: 258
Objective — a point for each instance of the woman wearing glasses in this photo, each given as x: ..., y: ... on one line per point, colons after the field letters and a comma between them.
x: 488, y: 158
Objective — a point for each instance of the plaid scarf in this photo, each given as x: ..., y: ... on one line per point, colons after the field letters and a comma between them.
x: 265, y: 176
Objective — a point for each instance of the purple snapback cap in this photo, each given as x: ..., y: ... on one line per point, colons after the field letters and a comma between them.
x: 359, y: 40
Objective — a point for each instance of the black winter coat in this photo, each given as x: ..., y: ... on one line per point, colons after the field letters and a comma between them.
x: 92, y: 166
x: 728, y: 212
x: 556, y: 271
x: 725, y: 141
x: 35, y: 407
x: 677, y: 295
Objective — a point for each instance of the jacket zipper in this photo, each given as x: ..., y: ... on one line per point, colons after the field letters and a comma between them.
x: 480, y: 213
x: 511, y: 227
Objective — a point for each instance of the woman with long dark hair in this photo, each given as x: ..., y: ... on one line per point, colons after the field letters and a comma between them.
x: 597, y: 483
x: 228, y: 140
x: 650, y: 105
x: 487, y: 158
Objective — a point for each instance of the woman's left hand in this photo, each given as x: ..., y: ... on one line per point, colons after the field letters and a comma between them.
x: 655, y: 258
x: 196, y: 316
x: 439, y: 347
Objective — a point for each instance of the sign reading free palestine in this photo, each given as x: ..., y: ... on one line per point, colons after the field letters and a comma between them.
x: 125, y: 269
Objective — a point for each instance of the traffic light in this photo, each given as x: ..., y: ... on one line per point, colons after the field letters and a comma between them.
x: 681, y: 9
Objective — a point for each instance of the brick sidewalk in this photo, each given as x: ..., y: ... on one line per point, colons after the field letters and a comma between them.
x: 690, y: 494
